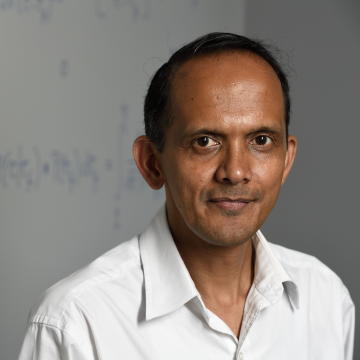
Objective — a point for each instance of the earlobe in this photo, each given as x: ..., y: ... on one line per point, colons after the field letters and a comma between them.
x: 290, y: 156
x: 147, y: 161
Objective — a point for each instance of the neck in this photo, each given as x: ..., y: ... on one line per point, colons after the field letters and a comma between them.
x: 222, y: 274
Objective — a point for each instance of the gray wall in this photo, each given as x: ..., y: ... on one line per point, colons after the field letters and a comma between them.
x: 75, y: 73
x: 73, y: 78
x: 318, y: 209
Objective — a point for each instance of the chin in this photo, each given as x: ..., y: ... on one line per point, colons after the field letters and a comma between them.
x: 224, y: 234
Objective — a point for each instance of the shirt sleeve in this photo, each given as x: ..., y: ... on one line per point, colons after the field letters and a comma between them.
x: 348, y: 310
x: 44, y: 342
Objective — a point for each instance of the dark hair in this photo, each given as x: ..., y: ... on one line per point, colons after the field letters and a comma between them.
x: 157, y: 116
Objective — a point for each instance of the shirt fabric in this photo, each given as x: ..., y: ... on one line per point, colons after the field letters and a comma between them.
x: 138, y: 301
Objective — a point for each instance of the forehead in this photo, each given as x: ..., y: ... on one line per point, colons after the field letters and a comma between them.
x: 233, y: 85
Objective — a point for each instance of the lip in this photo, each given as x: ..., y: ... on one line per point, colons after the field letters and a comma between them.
x: 230, y: 204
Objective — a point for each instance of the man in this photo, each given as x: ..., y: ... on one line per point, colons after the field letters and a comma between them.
x: 201, y: 282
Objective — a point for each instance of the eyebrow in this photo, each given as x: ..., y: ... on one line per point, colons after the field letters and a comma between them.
x: 275, y: 130
x: 194, y: 132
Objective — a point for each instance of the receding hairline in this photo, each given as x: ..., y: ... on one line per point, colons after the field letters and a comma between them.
x: 177, y: 74
x: 180, y: 72
x: 176, y: 68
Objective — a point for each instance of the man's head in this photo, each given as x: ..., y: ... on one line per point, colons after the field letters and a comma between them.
x: 158, y: 106
x: 217, y: 137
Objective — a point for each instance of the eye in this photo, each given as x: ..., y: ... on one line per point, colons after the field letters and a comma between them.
x: 262, y: 140
x: 205, y: 141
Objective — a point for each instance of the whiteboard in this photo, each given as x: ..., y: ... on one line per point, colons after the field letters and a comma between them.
x: 73, y: 76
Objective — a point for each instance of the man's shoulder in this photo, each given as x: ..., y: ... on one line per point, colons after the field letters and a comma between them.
x: 299, y: 260
x: 111, y: 266
x: 308, y: 271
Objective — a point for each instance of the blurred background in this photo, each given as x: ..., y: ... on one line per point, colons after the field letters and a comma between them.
x: 73, y: 77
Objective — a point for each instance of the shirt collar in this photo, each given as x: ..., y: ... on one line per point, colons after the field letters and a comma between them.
x: 168, y: 284
x: 270, y: 277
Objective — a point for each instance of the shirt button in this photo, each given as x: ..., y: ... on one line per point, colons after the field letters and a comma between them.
x: 241, y: 356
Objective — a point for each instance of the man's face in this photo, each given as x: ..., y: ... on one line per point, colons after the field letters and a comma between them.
x: 224, y: 155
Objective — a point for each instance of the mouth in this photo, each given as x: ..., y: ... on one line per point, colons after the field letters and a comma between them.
x: 228, y: 204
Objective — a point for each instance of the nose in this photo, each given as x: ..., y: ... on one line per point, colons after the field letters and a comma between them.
x: 234, y: 168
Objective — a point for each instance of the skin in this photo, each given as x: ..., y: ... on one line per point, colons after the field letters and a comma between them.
x: 224, y: 160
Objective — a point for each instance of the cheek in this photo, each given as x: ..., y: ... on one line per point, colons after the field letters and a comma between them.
x: 268, y: 173
x: 186, y: 180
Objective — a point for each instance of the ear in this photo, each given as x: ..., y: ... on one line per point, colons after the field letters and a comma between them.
x: 290, y: 156
x: 147, y: 160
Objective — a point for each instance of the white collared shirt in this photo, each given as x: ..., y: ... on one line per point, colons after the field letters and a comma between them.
x: 138, y: 301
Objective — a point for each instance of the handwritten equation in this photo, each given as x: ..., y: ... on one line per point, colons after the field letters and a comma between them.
x: 65, y: 168
x: 139, y: 9
x: 28, y: 169
x: 62, y: 167
x: 44, y: 8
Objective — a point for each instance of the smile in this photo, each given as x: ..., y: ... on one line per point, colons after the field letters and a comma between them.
x: 230, y: 204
